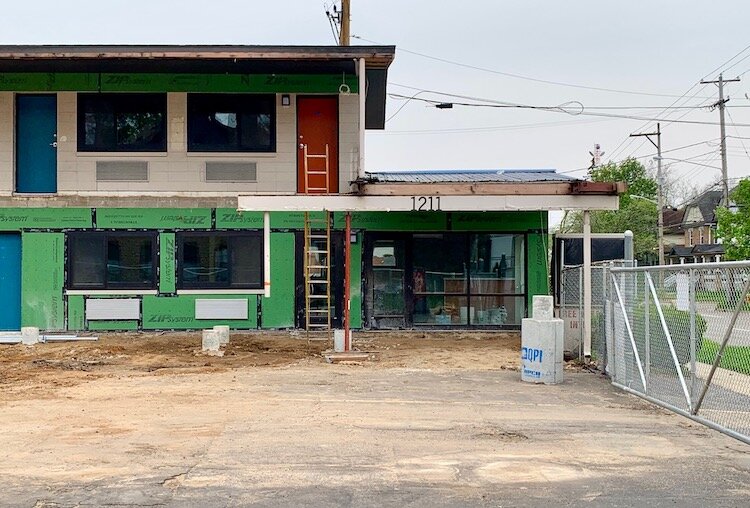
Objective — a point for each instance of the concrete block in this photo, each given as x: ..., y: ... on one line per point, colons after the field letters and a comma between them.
x: 338, y: 341
x: 223, y: 332
x: 211, y: 341
x: 542, y: 350
x: 29, y: 335
x: 542, y: 307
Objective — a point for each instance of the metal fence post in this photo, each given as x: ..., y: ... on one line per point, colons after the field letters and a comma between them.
x: 693, y: 342
x: 581, y: 317
x: 647, y: 332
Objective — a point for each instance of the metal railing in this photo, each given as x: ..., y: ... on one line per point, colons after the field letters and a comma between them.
x: 679, y: 336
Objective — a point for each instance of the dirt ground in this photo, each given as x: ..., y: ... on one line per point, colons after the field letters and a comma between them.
x: 439, y: 419
x: 39, y: 371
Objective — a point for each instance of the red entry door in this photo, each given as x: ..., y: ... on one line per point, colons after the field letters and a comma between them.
x: 317, y: 126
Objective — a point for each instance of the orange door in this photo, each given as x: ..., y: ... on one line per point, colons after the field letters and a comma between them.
x: 317, y: 126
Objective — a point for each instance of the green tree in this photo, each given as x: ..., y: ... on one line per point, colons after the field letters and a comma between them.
x: 637, y: 212
x: 733, y: 227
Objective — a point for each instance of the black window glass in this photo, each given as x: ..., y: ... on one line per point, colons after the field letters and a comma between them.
x: 231, y: 123
x: 111, y: 260
x: 130, y: 261
x: 228, y: 261
x: 125, y: 122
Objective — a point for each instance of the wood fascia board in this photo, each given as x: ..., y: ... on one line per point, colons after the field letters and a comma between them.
x: 425, y: 202
x: 373, y: 59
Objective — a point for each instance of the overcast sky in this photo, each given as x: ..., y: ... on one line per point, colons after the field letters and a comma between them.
x: 649, y: 46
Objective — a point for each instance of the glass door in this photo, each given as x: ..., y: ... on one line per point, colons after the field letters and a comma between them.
x: 386, y: 289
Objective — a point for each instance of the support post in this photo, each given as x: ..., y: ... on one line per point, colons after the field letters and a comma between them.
x: 362, y: 103
x: 586, y: 284
x: 347, y: 282
x: 267, y: 254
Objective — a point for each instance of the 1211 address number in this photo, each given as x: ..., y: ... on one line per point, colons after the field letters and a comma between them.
x: 425, y: 203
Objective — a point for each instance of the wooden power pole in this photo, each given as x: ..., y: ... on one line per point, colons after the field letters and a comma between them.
x: 659, y: 186
x: 345, y: 36
x: 720, y: 104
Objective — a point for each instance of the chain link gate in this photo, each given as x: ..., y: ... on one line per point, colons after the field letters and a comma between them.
x: 679, y: 336
x: 572, y: 311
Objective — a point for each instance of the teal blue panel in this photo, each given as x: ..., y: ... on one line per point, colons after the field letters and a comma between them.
x: 10, y: 281
x: 36, y: 142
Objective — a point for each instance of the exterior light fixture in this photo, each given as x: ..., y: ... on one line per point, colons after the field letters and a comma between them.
x: 286, y: 100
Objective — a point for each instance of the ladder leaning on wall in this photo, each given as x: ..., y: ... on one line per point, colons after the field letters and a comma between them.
x: 317, y: 249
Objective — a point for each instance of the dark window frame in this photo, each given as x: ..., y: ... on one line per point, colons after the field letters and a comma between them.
x: 180, y: 237
x: 197, y: 104
x: 125, y: 99
x: 467, y: 292
x: 104, y: 236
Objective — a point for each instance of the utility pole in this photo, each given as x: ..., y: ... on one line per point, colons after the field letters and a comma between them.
x: 720, y: 104
x: 659, y: 186
x: 345, y: 37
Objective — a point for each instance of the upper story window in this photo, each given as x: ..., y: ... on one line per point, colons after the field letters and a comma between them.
x: 231, y: 123
x: 122, y: 122
x: 114, y: 260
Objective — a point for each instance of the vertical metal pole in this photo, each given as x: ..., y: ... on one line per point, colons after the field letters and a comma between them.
x: 586, y: 284
x: 266, y: 254
x: 647, y: 330
x: 581, y: 315
x: 693, y: 374
x: 347, y: 281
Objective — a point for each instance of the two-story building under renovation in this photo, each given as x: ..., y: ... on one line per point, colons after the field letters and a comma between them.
x: 121, y: 168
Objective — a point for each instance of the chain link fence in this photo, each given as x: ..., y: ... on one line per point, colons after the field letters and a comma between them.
x: 572, y: 310
x: 679, y: 335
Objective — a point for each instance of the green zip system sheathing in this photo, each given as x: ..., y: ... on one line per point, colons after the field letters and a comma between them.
x: 76, y: 313
x: 278, y: 310
x: 153, y: 218
x: 16, y: 219
x: 178, y: 312
x: 42, y: 256
x: 355, y: 284
x: 167, y: 282
x: 160, y: 82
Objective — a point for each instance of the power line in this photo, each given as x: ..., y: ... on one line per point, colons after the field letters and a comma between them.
x: 490, y: 103
x: 518, y: 76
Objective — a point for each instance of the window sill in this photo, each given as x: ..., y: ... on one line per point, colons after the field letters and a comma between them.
x: 110, y: 292
x: 220, y: 292
x: 233, y: 155
x: 127, y: 155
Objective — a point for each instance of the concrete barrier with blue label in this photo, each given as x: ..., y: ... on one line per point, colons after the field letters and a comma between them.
x: 542, y: 344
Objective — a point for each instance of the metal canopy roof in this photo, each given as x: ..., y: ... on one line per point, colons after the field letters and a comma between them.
x: 468, y: 175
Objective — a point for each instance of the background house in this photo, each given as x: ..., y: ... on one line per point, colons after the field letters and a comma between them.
x: 692, y: 231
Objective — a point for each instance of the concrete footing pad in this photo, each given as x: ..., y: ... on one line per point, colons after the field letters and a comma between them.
x: 350, y: 356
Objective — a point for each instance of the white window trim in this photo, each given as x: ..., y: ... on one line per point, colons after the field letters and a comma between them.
x: 220, y: 291
x: 110, y: 292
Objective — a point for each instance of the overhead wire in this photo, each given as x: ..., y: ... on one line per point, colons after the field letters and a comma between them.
x: 629, y: 140
x: 517, y: 76
x: 560, y: 108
